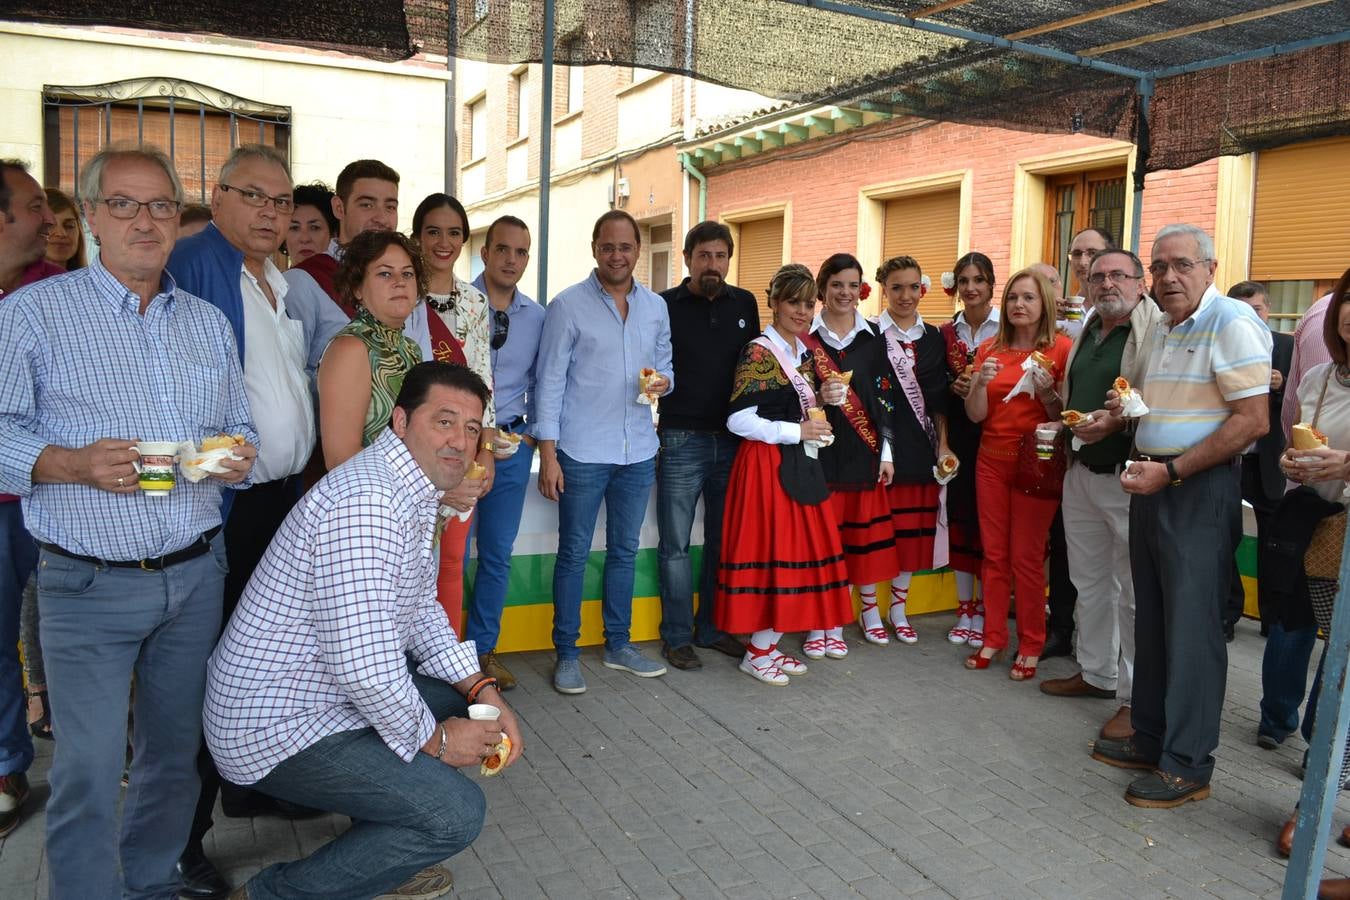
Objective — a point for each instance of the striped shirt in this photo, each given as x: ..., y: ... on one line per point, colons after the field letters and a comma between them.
x: 341, y: 602
x: 78, y: 363
x: 1221, y: 353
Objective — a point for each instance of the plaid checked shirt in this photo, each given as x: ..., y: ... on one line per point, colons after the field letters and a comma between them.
x: 343, y: 598
x: 78, y: 363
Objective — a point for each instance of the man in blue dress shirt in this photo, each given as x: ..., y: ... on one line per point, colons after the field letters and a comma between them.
x: 90, y: 363
x: 517, y: 323
x: 596, y: 441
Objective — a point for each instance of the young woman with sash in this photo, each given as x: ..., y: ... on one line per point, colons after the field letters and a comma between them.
x: 841, y: 340
x: 976, y: 322
x: 451, y: 325
x: 782, y: 566
x: 912, y: 385
x: 1014, y: 526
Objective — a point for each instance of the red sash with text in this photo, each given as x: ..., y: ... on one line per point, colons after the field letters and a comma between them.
x: 445, y: 347
x: 852, y: 409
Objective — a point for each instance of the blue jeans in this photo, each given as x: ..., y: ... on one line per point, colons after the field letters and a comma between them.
x: 18, y: 555
x: 692, y: 463
x: 624, y: 490
x: 1284, y: 678
x: 495, y: 527
x: 405, y: 816
x: 99, y: 625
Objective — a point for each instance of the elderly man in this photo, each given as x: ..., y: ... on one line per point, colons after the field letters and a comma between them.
x: 364, y: 199
x: 710, y: 321
x: 597, y: 442
x: 128, y: 582
x: 1205, y: 385
x: 25, y: 222
x: 339, y: 683
x: 229, y: 264
x: 517, y: 323
x: 1114, y: 341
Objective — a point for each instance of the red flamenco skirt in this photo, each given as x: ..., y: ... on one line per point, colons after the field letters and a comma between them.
x: 782, y: 566
x: 914, y: 517
x: 867, y: 533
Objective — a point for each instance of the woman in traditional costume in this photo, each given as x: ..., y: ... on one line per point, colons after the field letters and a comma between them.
x: 857, y: 466
x: 782, y: 566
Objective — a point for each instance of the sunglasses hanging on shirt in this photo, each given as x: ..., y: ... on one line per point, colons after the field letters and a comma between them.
x: 501, y: 327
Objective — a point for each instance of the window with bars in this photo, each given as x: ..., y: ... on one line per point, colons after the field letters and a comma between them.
x: 1078, y: 200
x: 196, y: 125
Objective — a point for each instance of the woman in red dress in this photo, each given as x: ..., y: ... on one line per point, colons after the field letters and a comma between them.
x: 857, y: 465
x: 1014, y: 540
x: 912, y: 387
x: 782, y: 566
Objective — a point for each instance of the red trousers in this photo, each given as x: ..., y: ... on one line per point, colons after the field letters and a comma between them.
x: 450, y: 580
x: 1013, y: 530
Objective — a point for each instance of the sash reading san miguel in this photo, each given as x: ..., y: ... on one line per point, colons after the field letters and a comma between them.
x: 903, y: 364
x: 445, y: 347
x: 805, y: 396
x: 826, y: 368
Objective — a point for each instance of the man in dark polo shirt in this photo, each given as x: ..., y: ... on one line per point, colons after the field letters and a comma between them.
x: 1114, y: 341
x: 710, y: 321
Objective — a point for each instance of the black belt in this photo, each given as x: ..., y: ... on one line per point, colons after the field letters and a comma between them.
x: 154, y: 564
x: 1112, y: 469
x: 514, y: 423
x: 1144, y: 457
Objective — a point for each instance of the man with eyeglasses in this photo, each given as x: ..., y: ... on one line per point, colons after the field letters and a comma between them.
x: 229, y: 264
x: 517, y: 323
x: 1115, y: 341
x: 25, y: 222
x: 127, y: 582
x: 1205, y: 385
x: 597, y: 441
x: 365, y: 198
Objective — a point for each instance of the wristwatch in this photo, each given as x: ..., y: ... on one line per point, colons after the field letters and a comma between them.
x: 1172, y: 474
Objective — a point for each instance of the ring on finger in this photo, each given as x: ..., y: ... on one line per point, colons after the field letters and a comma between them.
x: 121, y: 482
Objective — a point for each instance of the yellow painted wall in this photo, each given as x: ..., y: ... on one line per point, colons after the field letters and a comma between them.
x: 342, y: 108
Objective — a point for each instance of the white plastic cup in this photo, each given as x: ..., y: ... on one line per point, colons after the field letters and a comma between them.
x: 485, y: 711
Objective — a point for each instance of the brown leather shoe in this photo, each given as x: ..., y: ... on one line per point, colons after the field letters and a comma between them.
x: 1334, y: 889
x: 491, y: 665
x: 1074, y: 686
x: 1118, y: 727
x: 1345, y: 836
x: 1284, y: 844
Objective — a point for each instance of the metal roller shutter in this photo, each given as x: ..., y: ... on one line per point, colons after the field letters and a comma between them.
x: 1300, y: 229
x: 925, y: 226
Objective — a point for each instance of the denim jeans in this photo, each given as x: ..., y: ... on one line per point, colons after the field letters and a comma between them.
x: 625, y: 491
x: 18, y: 555
x: 692, y: 463
x: 1284, y: 678
x: 99, y: 625
x: 405, y: 816
x: 495, y: 527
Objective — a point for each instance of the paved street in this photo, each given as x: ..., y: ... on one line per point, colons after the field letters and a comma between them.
x: 892, y: 773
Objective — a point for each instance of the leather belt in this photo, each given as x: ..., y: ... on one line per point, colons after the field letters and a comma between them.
x: 1113, y: 469
x: 154, y: 564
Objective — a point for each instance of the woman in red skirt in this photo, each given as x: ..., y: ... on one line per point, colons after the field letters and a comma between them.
x: 842, y: 341
x: 782, y: 566
x: 912, y: 386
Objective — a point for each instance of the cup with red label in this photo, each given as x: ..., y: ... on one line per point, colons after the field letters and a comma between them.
x: 155, y: 468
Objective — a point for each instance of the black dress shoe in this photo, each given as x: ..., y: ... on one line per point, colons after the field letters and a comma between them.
x: 1057, y: 643
x: 198, y: 876
x: 681, y: 657
x: 1229, y: 632
x: 1161, y: 790
x: 728, y: 645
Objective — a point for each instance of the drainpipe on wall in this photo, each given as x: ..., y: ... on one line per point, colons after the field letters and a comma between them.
x: 687, y: 162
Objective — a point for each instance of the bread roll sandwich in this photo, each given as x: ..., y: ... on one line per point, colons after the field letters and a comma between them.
x: 1306, y: 437
x: 494, y: 761
x: 645, y: 379
x: 510, y: 436
x: 1043, y: 361
x: 947, y: 465
x: 845, y: 377
x: 221, y: 442
x: 1122, y: 387
x: 1072, y: 417
x: 475, y: 471
x: 816, y: 414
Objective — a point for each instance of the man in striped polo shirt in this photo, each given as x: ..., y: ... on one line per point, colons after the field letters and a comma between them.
x: 1206, y: 383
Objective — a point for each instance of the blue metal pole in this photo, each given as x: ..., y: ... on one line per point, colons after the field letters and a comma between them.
x: 1339, y: 37
x: 545, y: 150
x: 1141, y: 145
x: 1322, y: 783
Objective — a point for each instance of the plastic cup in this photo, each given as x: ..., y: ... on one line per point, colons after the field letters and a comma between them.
x: 485, y: 711
x: 155, y: 469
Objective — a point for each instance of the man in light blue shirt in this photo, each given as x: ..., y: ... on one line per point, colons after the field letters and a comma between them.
x: 91, y: 362
x: 517, y: 323
x: 596, y: 441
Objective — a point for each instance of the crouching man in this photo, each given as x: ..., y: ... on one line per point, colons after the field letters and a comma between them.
x: 340, y: 685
